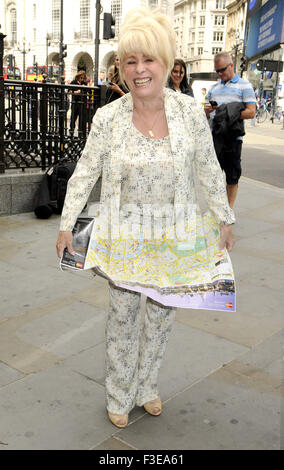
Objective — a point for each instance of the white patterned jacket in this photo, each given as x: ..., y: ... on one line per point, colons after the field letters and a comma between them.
x: 192, y: 150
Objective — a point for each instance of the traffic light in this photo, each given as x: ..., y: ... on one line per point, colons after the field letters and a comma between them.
x: 244, y: 63
x: 64, y: 51
x: 10, y: 61
x: 259, y: 64
x: 109, y: 29
x: 35, y: 68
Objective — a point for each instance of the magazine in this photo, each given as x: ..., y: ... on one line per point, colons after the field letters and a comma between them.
x: 81, y: 240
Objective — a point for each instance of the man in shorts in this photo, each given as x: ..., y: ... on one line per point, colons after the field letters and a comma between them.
x: 229, y: 89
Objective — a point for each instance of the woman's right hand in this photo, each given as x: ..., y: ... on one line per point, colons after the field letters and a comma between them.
x: 64, y: 240
x: 116, y: 88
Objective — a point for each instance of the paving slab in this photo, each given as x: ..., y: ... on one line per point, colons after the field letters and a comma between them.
x: 65, y: 333
x: 231, y: 409
x: 259, y: 271
x: 34, y: 289
x: 8, y: 375
x: 54, y: 409
x: 191, y: 354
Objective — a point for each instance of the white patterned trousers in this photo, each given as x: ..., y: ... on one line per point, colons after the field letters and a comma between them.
x: 134, y: 350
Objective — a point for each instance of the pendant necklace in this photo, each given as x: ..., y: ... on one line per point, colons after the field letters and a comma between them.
x: 150, y: 131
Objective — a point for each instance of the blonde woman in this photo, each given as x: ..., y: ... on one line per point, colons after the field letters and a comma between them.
x: 146, y: 146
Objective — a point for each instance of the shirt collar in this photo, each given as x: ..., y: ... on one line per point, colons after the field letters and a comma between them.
x: 234, y: 80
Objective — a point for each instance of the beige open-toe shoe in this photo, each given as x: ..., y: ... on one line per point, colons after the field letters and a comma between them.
x: 153, y: 407
x: 121, y: 421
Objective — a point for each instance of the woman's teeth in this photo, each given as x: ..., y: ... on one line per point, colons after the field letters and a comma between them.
x: 142, y: 81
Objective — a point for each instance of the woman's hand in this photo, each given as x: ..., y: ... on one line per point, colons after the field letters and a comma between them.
x: 227, y: 239
x: 64, y: 240
x: 115, y: 87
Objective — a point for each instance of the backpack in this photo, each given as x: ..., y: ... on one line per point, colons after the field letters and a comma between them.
x: 59, y: 175
x: 50, y: 196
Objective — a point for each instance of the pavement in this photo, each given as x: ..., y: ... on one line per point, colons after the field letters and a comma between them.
x: 221, y: 382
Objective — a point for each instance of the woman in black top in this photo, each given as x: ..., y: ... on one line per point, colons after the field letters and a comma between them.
x: 178, y: 79
x: 115, y: 89
x: 77, y: 102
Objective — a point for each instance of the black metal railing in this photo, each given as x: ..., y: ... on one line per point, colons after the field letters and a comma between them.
x: 44, y: 122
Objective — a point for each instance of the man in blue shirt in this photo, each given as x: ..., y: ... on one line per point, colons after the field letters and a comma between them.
x: 230, y: 89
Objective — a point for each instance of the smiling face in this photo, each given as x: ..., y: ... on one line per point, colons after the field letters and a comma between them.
x: 145, y: 76
x: 116, y: 61
x: 177, y: 75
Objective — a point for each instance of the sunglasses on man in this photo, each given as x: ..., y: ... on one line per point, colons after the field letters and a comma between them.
x: 222, y: 70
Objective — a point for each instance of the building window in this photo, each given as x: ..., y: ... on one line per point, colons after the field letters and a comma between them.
x: 13, y: 25
x: 201, y: 36
x: 219, y: 20
x: 218, y: 36
x: 220, y: 4
x: 55, y: 19
x: 84, y: 18
x: 202, y: 21
x: 216, y: 50
x: 203, y: 4
x: 153, y: 3
x: 116, y: 11
x: 200, y: 50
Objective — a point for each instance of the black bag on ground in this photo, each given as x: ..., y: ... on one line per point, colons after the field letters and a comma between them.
x: 51, y: 193
x: 42, y: 204
x: 59, y: 175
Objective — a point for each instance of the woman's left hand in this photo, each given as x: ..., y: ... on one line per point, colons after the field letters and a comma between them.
x: 227, y: 239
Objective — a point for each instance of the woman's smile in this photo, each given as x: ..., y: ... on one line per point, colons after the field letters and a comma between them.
x: 139, y: 82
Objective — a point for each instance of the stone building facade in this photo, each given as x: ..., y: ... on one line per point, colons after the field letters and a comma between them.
x: 33, y: 31
x: 200, y: 27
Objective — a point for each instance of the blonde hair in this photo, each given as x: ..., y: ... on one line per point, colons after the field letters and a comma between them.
x: 149, y: 32
x: 110, y: 71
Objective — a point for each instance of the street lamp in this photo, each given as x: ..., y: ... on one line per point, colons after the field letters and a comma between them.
x: 24, y: 51
x: 47, y: 46
x: 99, y: 10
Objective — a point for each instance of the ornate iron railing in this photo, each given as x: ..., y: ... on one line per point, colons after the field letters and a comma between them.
x: 44, y: 122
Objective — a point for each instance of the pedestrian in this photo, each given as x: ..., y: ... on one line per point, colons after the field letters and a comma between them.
x: 230, y: 89
x: 77, y: 107
x: 178, y: 79
x: 116, y: 89
x: 146, y: 146
x: 110, y: 74
x: 102, y: 77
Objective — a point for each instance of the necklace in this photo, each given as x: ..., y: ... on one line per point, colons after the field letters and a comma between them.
x: 150, y: 131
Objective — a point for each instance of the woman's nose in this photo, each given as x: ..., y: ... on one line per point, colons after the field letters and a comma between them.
x: 140, y: 67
